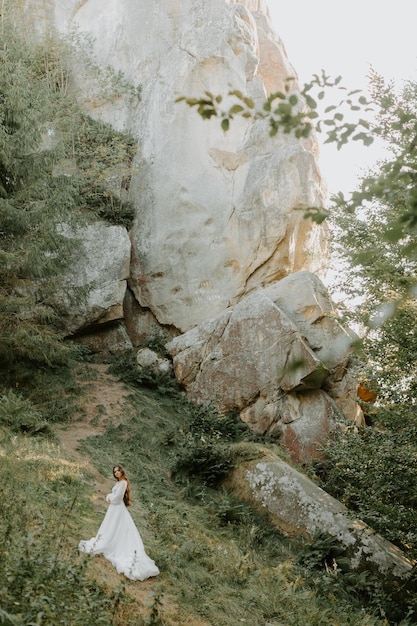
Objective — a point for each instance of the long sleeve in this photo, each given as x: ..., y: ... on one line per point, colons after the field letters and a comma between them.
x: 118, y: 491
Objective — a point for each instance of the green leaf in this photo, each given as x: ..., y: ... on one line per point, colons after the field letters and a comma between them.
x: 236, y: 93
x: 225, y: 124
x: 275, y: 95
x: 284, y: 108
x: 311, y: 103
x: 249, y: 103
x: 236, y: 108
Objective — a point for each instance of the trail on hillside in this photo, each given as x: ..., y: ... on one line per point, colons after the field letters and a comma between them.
x: 101, y: 404
x: 103, y: 401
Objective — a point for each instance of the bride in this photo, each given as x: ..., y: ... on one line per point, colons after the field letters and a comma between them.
x: 118, y: 539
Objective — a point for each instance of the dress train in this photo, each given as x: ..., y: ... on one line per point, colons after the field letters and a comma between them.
x: 119, y: 541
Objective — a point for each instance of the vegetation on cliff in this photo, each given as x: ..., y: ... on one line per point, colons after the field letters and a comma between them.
x: 55, y: 164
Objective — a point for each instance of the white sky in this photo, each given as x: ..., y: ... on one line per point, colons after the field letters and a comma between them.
x: 346, y: 38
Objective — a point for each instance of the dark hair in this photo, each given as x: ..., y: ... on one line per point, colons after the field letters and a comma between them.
x: 126, y: 496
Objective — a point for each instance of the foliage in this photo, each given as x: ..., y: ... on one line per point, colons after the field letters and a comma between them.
x: 220, y: 558
x: 375, y: 239
x: 19, y: 415
x: 293, y: 110
x: 125, y: 367
x: 373, y: 472
x: 103, y: 157
x: 323, y: 555
x: 203, y: 451
x: 57, y: 166
x: 42, y: 580
x: 28, y: 240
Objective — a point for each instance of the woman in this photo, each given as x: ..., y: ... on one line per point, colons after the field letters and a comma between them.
x: 118, y: 539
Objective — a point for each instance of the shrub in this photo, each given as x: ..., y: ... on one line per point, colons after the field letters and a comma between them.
x: 374, y: 473
x: 20, y: 416
x: 203, y: 450
x: 125, y: 367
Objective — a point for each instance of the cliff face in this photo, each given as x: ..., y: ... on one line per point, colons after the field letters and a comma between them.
x: 217, y: 216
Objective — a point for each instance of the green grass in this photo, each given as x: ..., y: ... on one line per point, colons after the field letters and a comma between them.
x: 222, y: 563
x: 43, y: 580
x: 220, y: 558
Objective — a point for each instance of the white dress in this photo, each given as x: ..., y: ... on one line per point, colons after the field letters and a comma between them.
x: 119, y: 541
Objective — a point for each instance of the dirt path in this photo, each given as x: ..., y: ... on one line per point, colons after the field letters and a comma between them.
x: 104, y: 401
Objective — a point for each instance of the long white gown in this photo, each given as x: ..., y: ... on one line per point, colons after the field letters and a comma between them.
x: 119, y: 541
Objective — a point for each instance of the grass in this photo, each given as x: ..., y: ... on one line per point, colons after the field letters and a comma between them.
x: 43, y: 581
x: 221, y: 561
x: 219, y: 558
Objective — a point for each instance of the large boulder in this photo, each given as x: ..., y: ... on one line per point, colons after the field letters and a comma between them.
x: 274, y: 366
x: 141, y: 324
x: 215, y: 212
x: 305, y: 299
x: 106, y: 341
x: 94, y: 287
x: 251, y: 348
x: 298, y: 506
x: 301, y: 421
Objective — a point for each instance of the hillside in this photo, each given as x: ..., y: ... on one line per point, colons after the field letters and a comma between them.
x: 220, y: 560
x: 103, y: 406
x: 173, y: 235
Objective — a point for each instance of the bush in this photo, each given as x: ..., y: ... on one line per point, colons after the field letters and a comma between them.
x: 203, y: 450
x: 126, y: 368
x: 374, y: 473
x: 20, y: 416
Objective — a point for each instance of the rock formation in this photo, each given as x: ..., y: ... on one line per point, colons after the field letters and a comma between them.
x: 297, y: 506
x: 222, y: 256
x: 94, y: 287
x: 270, y: 356
x: 215, y: 211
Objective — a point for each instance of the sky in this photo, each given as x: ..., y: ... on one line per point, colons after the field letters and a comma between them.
x: 347, y: 37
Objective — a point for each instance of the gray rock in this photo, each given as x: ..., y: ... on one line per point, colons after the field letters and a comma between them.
x: 262, y: 357
x: 299, y: 507
x: 215, y: 212
x: 148, y: 359
x: 93, y: 289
